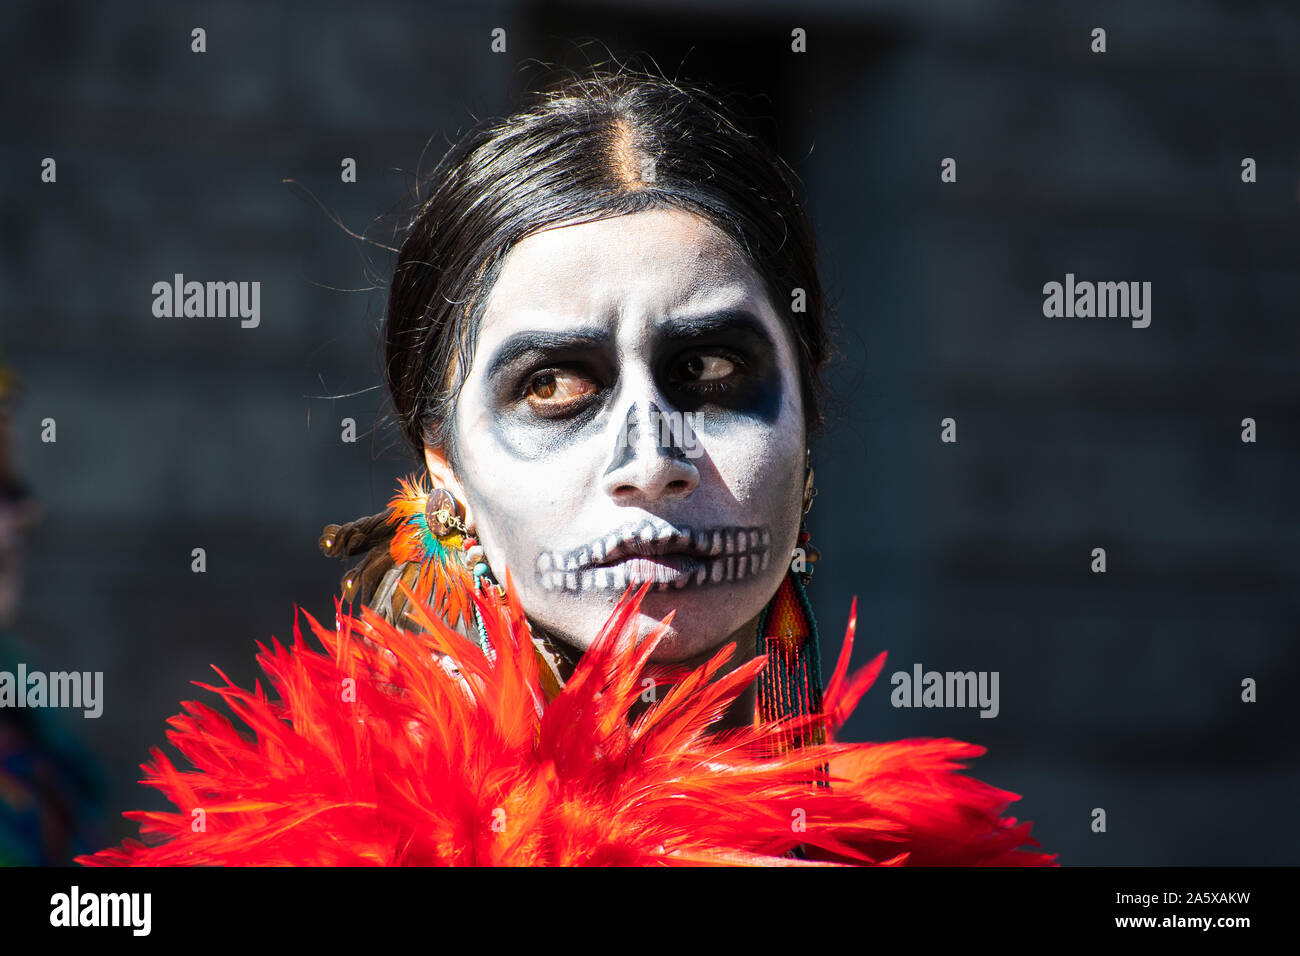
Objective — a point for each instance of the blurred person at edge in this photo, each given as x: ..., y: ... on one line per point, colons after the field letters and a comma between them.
x: 50, y: 789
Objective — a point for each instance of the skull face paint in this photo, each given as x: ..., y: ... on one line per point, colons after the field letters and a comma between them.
x: 633, y: 413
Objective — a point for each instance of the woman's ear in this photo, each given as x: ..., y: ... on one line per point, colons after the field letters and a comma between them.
x: 440, y: 470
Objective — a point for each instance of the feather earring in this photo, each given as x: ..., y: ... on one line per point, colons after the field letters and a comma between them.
x: 432, y: 535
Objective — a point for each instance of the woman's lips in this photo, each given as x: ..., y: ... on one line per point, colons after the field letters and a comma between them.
x: 663, y: 555
x: 675, y: 569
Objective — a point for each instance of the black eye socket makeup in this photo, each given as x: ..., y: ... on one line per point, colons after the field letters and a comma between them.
x: 707, y: 371
x: 724, y: 361
x: 556, y: 391
x: 523, y: 361
x: 533, y: 349
x: 734, y: 337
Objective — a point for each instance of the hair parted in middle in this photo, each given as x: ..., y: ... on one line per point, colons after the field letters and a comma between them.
x: 591, y: 145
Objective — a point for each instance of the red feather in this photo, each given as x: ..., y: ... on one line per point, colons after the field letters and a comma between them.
x: 381, y: 752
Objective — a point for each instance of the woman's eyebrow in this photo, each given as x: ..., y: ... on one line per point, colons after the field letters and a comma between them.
x: 538, y: 341
x: 706, y: 326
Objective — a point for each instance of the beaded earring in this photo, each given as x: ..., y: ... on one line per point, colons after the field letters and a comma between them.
x: 791, y: 683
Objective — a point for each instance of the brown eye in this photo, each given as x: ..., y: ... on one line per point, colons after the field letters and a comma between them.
x: 543, y: 386
x: 552, y: 391
x: 704, y: 368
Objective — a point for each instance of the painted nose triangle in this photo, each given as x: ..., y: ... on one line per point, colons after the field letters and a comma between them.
x: 650, y: 434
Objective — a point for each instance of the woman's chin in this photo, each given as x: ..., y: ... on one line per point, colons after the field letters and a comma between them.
x: 703, y: 619
x: 685, y: 645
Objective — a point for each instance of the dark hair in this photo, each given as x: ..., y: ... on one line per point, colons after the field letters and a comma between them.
x: 595, y: 145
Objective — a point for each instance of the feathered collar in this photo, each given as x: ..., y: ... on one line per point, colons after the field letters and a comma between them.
x: 373, y: 751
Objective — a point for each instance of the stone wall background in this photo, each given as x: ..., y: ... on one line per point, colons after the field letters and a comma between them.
x: 1118, y: 691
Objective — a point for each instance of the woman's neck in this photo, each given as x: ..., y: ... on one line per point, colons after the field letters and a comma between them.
x: 740, y: 713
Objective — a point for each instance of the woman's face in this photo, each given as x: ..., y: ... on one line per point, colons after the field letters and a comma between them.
x: 633, y: 413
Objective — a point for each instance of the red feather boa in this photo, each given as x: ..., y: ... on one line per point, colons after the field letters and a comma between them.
x: 376, y: 754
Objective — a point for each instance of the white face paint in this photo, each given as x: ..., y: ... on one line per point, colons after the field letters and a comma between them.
x: 633, y: 412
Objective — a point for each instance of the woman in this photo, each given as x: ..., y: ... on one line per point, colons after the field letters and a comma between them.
x: 605, y: 338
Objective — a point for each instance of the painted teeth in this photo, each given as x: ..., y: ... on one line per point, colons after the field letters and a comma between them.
x: 724, y: 555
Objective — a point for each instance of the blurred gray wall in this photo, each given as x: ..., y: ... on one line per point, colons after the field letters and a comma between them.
x: 1118, y: 691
